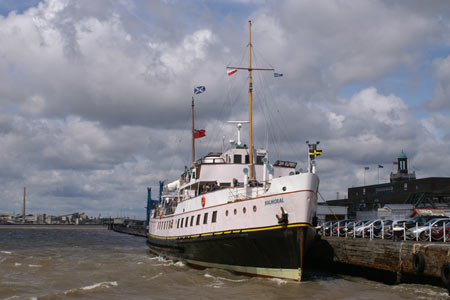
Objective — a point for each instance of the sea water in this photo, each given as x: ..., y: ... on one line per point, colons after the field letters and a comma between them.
x: 100, y: 264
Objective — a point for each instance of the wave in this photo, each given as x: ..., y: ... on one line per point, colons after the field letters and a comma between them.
x: 35, y: 266
x: 81, y: 290
x: 6, y: 252
x: 225, y: 279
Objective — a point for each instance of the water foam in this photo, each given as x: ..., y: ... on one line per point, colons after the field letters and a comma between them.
x: 17, y: 264
x: 35, y: 266
x: 6, y: 252
x: 279, y: 281
x: 106, y: 284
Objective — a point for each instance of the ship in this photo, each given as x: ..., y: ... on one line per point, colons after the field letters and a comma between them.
x: 235, y: 210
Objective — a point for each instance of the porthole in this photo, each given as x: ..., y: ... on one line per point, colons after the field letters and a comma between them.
x: 226, y: 213
x: 244, y: 210
x: 235, y: 211
x: 254, y: 208
x: 284, y: 189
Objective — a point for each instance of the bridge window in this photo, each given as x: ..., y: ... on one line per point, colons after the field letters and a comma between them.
x: 205, y: 218
x: 187, y: 220
x: 214, y: 217
x: 198, y: 220
x: 182, y: 221
x: 192, y: 220
x: 259, y: 159
x: 237, y: 159
x: 247, y: 159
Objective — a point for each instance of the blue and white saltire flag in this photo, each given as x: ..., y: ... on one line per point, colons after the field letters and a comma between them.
x: 277, y: 75
x: 199, y: 89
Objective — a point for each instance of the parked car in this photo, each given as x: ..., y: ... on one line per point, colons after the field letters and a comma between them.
x: 324, y: 229
x: 437, y: 233
x: 380, y: 228
x: 339, y: 227
x: 361, y: 230
x: 420, y: 220
x: 423, y: 232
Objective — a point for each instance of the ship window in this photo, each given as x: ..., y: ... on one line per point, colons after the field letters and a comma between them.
x: 178, y: 223
x: 214, y: 217
x: 405, y: 186
x: 247, y: 159
x: 235, y: 211
x: 205, y: 218
x: 237, y: 159
x: 182, y: 221
x: 364, y: 191
x: 187, y: 220
x: 198, y: 220
x: 244, y: 210
x: 226, y: 213
x: 259, y: 159
x: 254, y: 208
x: 192, y: 220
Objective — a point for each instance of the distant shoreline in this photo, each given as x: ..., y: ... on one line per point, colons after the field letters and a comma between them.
x: 58, y: 226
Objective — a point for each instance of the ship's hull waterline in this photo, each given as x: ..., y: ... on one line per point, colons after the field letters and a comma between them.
x: 275, y: 251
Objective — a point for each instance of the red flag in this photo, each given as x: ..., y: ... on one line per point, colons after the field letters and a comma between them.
x: 199, y: 133
x: 231, y: 71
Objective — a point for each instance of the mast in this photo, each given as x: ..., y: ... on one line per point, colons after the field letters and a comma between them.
x: 193, y: 138
x: 250, y: 94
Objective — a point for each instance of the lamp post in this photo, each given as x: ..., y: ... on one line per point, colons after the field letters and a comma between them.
x: 365, y: 169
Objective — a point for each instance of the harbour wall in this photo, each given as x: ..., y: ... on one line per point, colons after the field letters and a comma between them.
x: 395, y: 261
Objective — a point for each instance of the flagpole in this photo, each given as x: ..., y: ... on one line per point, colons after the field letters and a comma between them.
x: 193, y: 139
x: 378, y: 174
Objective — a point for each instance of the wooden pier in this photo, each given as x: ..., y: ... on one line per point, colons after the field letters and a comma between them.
x: 404, y: 260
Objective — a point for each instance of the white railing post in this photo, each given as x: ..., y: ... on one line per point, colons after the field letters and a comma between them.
x: 363, y: 231
x: 443, y: 230
x: 382, y: 230
x: 346, y: 229
x: 417, y: 229
x: 354, y: 229
x: 404, y: 231
x: 338, y: 232
x: 371, y: 231
x: 430, y: 233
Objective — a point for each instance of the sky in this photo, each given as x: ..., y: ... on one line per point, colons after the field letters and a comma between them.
x: 95, y: 96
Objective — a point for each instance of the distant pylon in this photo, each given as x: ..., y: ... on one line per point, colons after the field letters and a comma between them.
x: 24, y: 204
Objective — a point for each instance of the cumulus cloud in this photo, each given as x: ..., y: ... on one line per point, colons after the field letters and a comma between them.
x: 441, y: 96
x: 95, y: 96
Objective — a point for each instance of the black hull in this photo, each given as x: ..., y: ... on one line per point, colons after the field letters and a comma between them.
x: 269, y: 252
